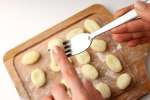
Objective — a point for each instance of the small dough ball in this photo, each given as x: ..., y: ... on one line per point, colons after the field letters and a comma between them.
x: 70, y: 60
x: 83, y: 58
x: 103, y: 89
x: 89, y: 72
x: 74, y: 32
x: 38, y: 78
x: 98, y: 45
x: 123, y: 81
x: 53, y: 65
x: 30, y: 57
x: 113, y: 63
x: 91, y: 25
x: 55, y: 42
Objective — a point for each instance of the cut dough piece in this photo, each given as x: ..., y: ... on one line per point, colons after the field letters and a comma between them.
x: 91, y: 25
x: 30, y: 57
x: 53, y: 65
x: 123, y: 81
x: 55, y: 42
x: 38, y: 78
x: 98, y: 45
x: 74, y: 32
x: 70, y: 60
x: 64, y: 83
x: 113, y: 63
x: 89, y: 72
x: 103, y: 89
x: 83, y: 58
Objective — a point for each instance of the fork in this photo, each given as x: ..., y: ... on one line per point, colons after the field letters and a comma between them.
x: 82, y: 41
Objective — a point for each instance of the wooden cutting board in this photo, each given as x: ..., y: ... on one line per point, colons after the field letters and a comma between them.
x: 133, y: 59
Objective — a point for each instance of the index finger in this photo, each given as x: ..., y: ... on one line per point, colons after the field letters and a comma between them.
x: 67, y: 70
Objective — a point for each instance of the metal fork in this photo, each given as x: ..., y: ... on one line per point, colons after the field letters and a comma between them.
x: 82, y: 41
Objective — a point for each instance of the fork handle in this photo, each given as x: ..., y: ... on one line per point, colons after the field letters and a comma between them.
x: 117, y: 22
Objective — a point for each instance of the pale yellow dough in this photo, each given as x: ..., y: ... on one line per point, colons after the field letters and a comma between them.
x: 53, y: 65
x: 70, y: 60
x: 113, y: 63
x: 103, y: 89
x: 74, y: 32
x: 64, y: 83
x: 30, y: 57
x: 38, y: 78
x: 98, y: 45
x: 89, y: 72
x: 123, y: 81
x: 55, y: 42
x: 91, y: 25
x: 83, y: 58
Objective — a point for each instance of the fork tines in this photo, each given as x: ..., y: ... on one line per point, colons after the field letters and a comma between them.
x: 67, y: 47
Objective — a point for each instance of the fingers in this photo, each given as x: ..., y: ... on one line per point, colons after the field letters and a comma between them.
x: 68, y: 71
x: 135, y: 42
x: 47, y: 98
x: 59, y: 92
x: 129, y: 36
x: 91, y: 90
x: 132, y: 39
x: 123, y: 11
x: 143, y: 9
x: 133, y: 26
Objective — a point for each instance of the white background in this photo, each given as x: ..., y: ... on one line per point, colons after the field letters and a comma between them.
x: 23, y: 19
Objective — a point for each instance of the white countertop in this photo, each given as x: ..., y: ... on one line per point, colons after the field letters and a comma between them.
x: 23, y: 19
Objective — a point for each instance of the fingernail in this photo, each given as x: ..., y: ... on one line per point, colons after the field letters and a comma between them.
x: 140, y: 5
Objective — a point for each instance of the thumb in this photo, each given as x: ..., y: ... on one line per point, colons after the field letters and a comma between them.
x: 143, y: 9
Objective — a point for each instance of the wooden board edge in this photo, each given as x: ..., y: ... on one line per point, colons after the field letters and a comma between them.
x: 17, y: 81
x: 9, y: 56
x: 60, y: 26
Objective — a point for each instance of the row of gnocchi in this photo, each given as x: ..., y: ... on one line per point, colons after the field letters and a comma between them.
x: 87, y: 70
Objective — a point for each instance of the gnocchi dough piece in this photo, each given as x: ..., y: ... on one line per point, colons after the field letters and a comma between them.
x: 98, y: 45
x: 91, y: 25
x: 83, y: 58
x: 123, y: 81
x: 55, y: 42
x: 38, y: 77
x: 113, y: 63
x: 74, y: 32
x: 70, y: 60
x: 53, y: 65
x: 89, y: 72
x: 103, y: 89
x: 30, y: 57
x: 64, y: 83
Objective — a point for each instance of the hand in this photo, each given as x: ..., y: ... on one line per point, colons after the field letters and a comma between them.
x: 79, y: 90
x: 137, y: 31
